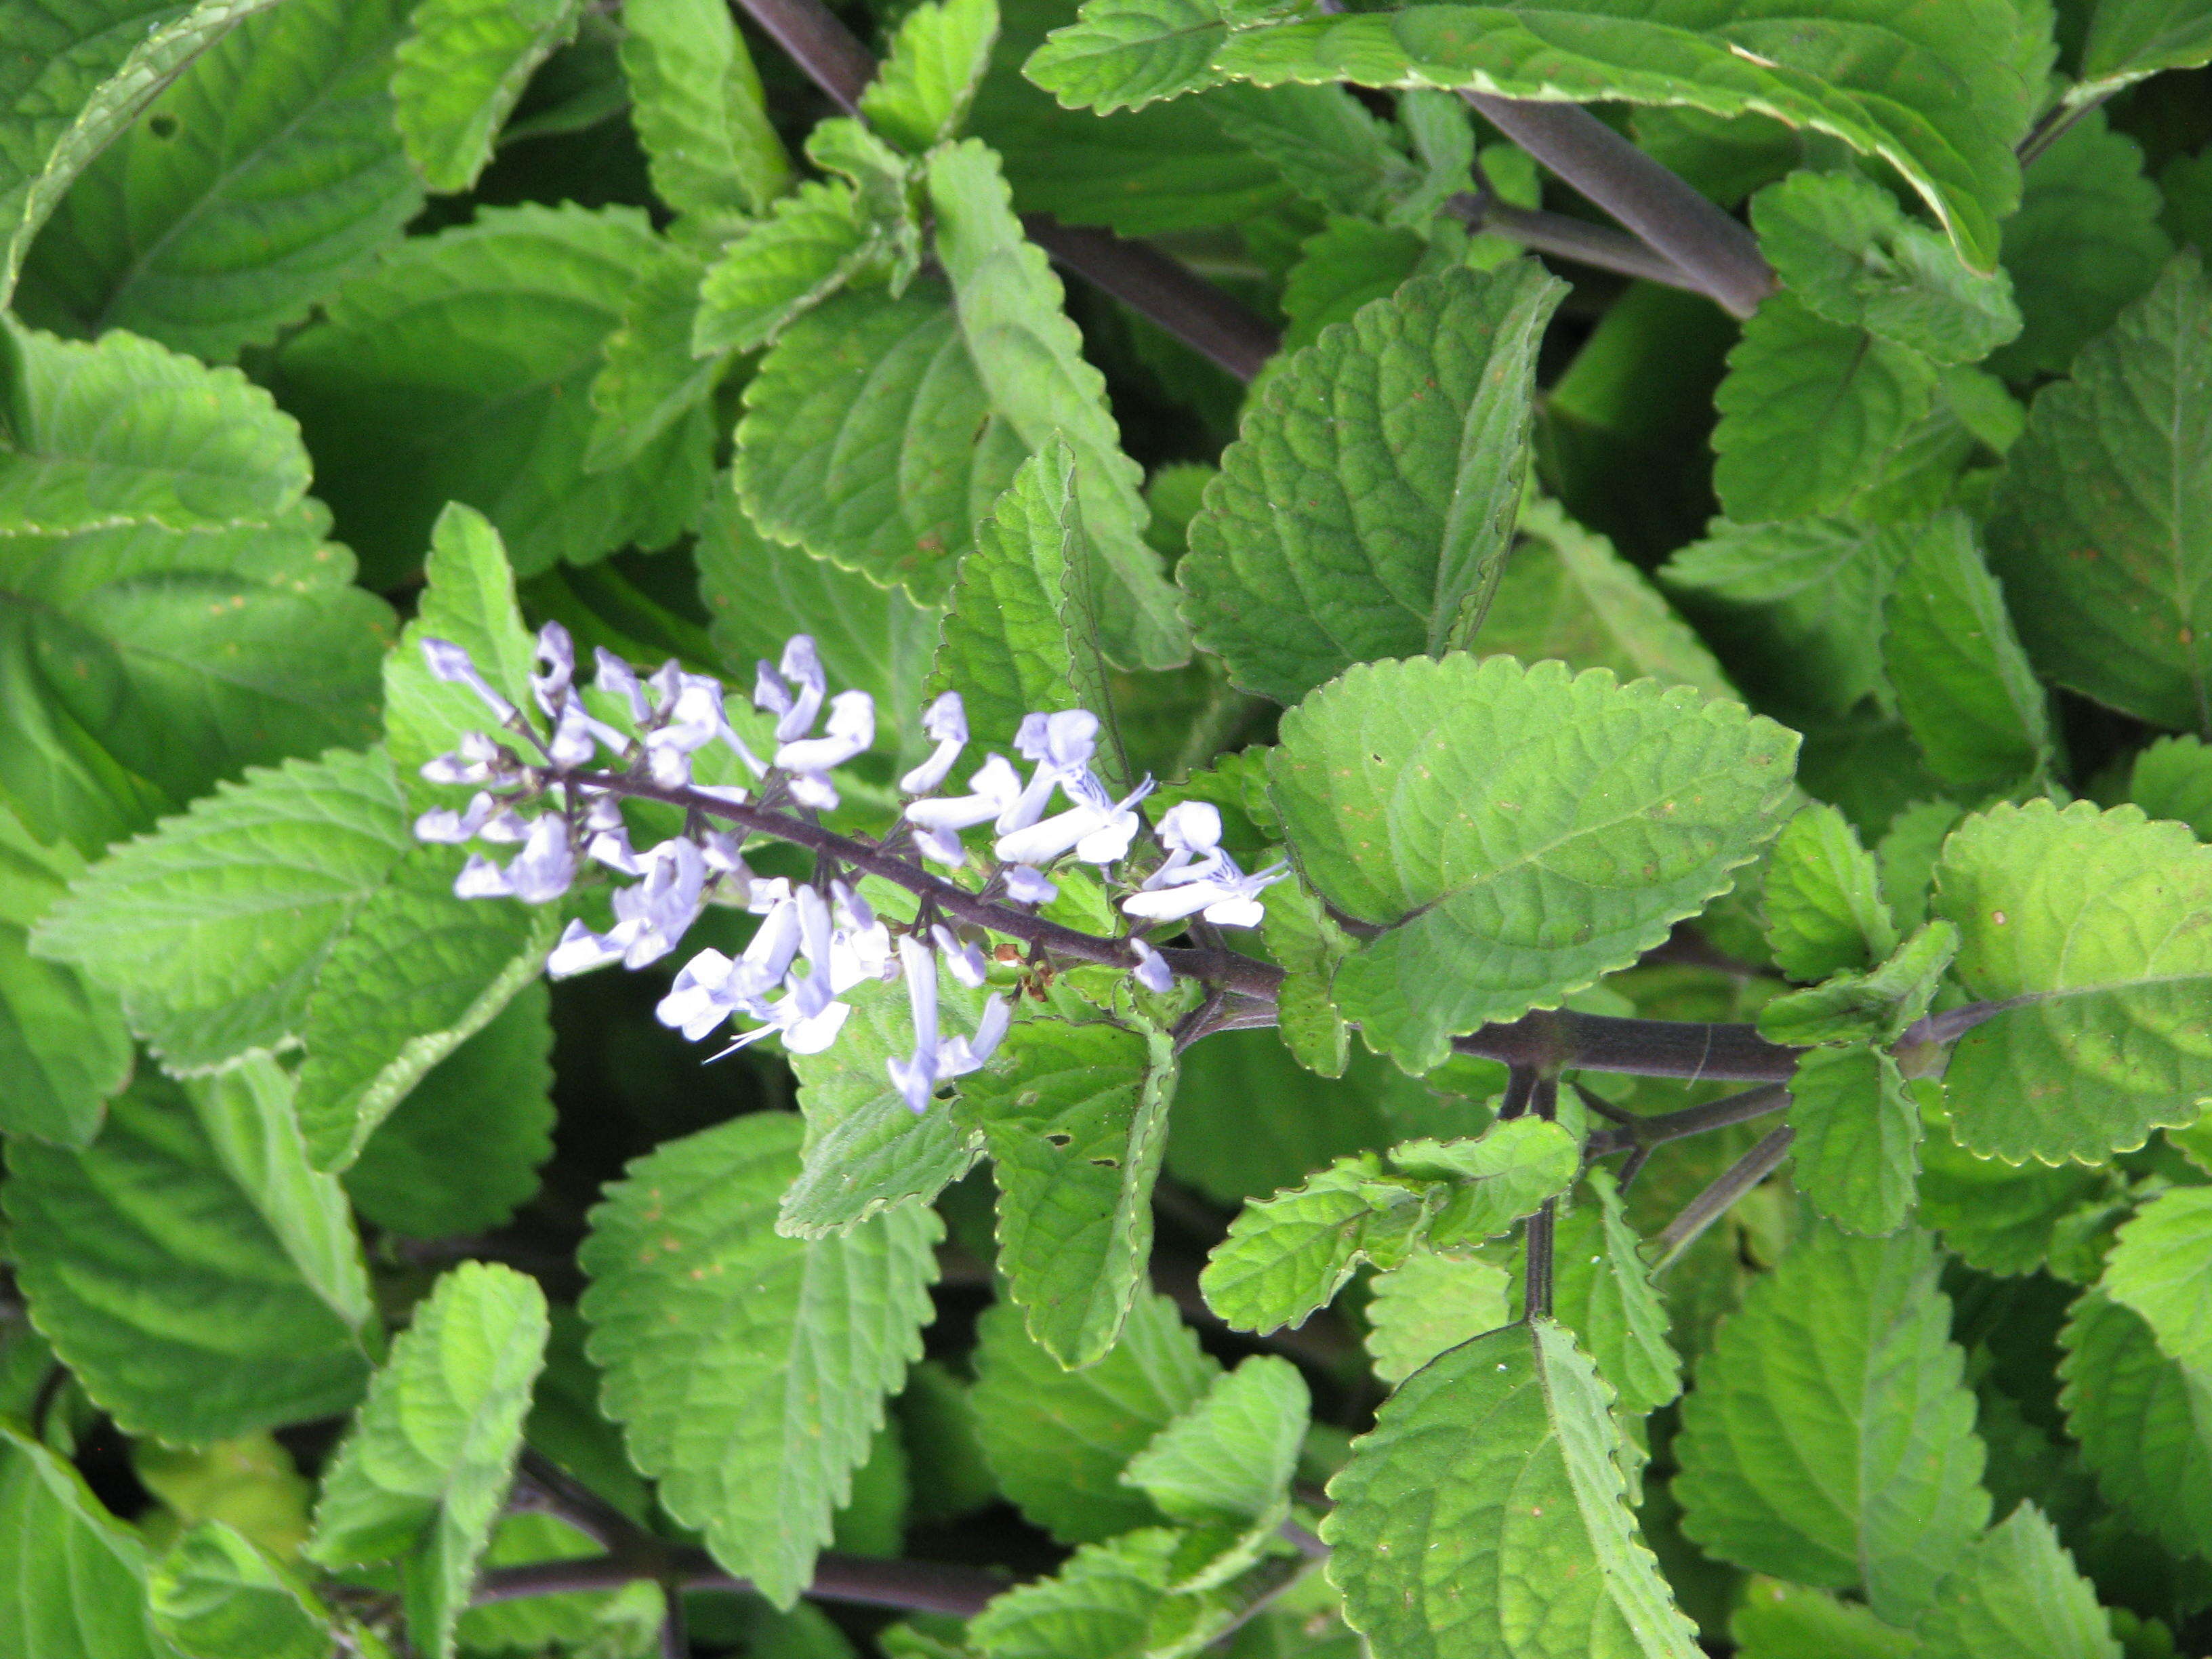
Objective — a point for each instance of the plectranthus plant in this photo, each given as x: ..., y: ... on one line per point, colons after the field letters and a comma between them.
x: 1105, y: 829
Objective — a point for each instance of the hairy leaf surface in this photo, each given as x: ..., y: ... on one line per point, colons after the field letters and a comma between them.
x: 421, y: 1475
x: 460, y: 71
x: 1367, y: 506
x: 72, y: 1576
x: 1830, y: 1438
x: 2089, y: 926
x: 1486, y: 1514
x: 1514, y: 833
x: 2117, y: 464
x: 749, y: 1369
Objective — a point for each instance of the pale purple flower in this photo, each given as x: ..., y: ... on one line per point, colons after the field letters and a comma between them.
x: 539, y: 873
x: 965, y: 961
x: 447, y: 827
x: 916, y: 1078
x: 1191, y: 832
x: 474, y: 762
x: 553, y: 666
x: 651, y: 914
x: 1028, y: 886
x: 1229, y: 897
x: 944, y: 722
x: 1151, y: 971
x: 574, y: 739
x: 699, y: 1000
x: 792, y: 693
x: 618, y: 679
x: 956, y: 1056
x: 579, y: 952
x: 1061, y: 745
x: 850, y: 728
x: 450, y: 662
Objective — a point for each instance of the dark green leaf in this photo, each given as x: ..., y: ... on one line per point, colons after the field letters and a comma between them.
x: 460, y: 71
x: 1856, y: 1152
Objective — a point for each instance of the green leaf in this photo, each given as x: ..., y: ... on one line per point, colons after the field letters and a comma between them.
x: 1856, y: 1152
x: 696, y: 102
x: 1287, y: 1255
x: 2157, y: 1266
x: 2137, y: 1417
x: 1029, y: 357
x: 1824, y: 912
x: 459, y: 368
x: 245, y: 194
x: 168, y: 610
x: 1514, y: 892
x: 423, y: 1473
x: 1808, y: 409
x: 2084, y: 924
x: 2085, y: 243
x: 458, y: 73
x: 1786, y: 1621
x: 1366, y: 508
x: 2017, y: 1591
x: 865, y: 1149
x: 648, y: 379
x: 1877, y: 1007
x: 215, y: 1595
x: 1566, y: 593
x: 1963, y: 683
x: 80, y: 75
x: 1520, y: 1539
x: 1999, y: 1218
x: 1058, y: 1440
x: 1345, y: 265
x: 1942, y: 96
x: 1018, y: 636
x: 165, y: 1262
x: 1111, y: 1601
x: 461, y: 1152
x: 1830, y: 1439
x: 1335, y: 152
x: 869, y: 440
x: 2129, y: 40
x: 921, y: 96
x: 1840, y: 243
x: 212, y: 928
x: 1231, y: 1454
x: 416, y: 973
x: 1075, y: 1124
x: 64, y: 1048
x: 1602, y: 1293
x: 2119, y: 460
x: 812, y: 244
x: 749, y: 1369
x: 468, y: 600
x: 1308, y: 946
x: 1801, y: 608
x: 619, y: 1623
x: 1431, y: 1303
x: 2172, y: 779
x: 72, y: 1576
x: 1124, y: 54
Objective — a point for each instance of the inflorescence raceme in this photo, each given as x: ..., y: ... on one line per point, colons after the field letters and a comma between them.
x: 815, y: 940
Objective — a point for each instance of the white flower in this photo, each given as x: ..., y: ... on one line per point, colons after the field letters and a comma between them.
x: 1230, y: 898
x: 956, y: 1056
x: 450, y: 662
x: 1096, y: 828
x: 1061, y: 745
x: 993, y: 790
x: 946, y: 721
x: 1191, y: 832
x: 850, y: 730
x: 580, y: 951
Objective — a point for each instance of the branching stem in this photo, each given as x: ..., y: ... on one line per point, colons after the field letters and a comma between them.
x: 1710, y: 1206
x: 1187, y: 306
x: 1716, y: 255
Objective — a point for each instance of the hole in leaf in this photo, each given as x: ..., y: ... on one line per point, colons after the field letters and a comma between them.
x: 1056, y: 1138
x: 1106, y: 1163
x: 162, y: 126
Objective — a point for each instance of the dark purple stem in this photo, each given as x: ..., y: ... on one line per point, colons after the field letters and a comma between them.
x: 1718, y: 256
x: 910, y: 1586
x: 1187, y: 306
x: 1536, y: 1276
